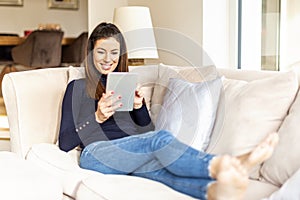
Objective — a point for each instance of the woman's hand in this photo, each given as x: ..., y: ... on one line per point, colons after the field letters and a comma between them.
x: 138, y: 99
x: 107, y: 106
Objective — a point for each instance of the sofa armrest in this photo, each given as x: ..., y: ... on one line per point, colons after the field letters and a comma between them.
x: 33, y: 103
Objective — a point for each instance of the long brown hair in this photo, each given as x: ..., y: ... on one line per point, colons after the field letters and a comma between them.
x: 104, y: 30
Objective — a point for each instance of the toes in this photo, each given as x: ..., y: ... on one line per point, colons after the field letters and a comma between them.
x: 232, y: 165
x: 274, y: 140
x: 232, y: 179
x: 263, y: 151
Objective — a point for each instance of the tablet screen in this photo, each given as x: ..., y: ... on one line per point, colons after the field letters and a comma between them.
x: 124, y: 84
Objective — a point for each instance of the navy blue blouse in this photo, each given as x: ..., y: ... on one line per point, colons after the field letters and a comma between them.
x: 79, y: 126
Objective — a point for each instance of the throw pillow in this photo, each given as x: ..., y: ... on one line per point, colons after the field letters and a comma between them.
x: 248, y: 111
x: 285, y: 159
x: 189, y: 73
x: 189, y: 110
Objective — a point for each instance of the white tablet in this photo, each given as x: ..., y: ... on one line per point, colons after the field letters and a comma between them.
x: 124, y: 84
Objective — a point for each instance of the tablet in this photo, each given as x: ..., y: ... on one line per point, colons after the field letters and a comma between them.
x: 124, y: 84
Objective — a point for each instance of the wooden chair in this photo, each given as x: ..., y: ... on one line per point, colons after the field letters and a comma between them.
x: 74, y: 54
x: 42, y: 48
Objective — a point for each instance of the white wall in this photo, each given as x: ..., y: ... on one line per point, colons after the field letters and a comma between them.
x: 34, y: 12
x: 102, y: 10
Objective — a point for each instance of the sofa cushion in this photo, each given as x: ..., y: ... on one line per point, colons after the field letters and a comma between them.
x: 285, y: 160
x: 257, y: 190
x: 22, y: 179
x: 115, y: 187
x: 248, y: 111
x: 59, y: 165
x: 189, y: 73
x: 289, y: 190
x: 189, y: 110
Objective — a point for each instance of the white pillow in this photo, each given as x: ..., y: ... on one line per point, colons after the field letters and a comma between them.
x: 189, y: 73
x: 289, y: 190
x: 189, y: 110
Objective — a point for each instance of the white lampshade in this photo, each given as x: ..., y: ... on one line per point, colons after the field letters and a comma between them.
x: 136, y: 25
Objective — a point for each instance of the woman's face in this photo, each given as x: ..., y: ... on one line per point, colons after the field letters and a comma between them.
x: 106, y: 55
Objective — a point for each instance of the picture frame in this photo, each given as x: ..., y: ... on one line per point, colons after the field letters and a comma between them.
x: 63, y: 4
x: 11, y: 2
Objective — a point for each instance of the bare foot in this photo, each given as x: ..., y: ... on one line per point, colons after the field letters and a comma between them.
x: 262, y: 152
x: 231, y: 173
x: 232, y: 180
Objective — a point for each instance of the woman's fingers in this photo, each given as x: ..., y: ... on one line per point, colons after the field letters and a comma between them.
x: 138, y: 99
x: 107, y: 95
x: 109, y: 103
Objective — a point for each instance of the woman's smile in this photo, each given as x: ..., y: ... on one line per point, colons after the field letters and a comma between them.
x: 106, y: 66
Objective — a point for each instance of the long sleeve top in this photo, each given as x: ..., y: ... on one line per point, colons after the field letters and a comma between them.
x: 78, y: 124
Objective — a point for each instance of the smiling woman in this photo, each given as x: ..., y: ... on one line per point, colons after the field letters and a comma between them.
x: 63, y: 4
x: 11, y: 2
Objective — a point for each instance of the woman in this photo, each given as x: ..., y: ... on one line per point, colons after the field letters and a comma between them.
x: 124, y: 143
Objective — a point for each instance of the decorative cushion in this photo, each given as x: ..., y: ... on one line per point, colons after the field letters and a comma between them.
x: 248, y: 111
x: 165, y: 72
x: 284, y: 164
x: 189, y: 110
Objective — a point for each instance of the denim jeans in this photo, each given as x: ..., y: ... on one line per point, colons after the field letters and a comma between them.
x: 156, y: 155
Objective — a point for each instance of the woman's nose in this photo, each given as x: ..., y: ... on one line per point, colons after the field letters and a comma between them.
x: 107, y: 58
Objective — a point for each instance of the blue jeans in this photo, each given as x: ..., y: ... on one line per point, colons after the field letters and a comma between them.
x: 154, y: 155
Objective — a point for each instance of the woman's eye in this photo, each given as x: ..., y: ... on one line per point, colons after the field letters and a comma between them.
x: 100, y: 52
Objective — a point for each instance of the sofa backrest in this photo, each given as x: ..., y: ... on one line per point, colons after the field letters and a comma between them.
x: 33, y: 98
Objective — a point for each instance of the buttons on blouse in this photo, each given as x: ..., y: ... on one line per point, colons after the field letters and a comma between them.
x: 82, y: 126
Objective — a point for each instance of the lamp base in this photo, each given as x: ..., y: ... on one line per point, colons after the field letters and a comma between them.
x: 136, y: 61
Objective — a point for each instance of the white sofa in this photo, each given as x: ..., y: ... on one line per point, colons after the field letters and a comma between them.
x: 252, y: 104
